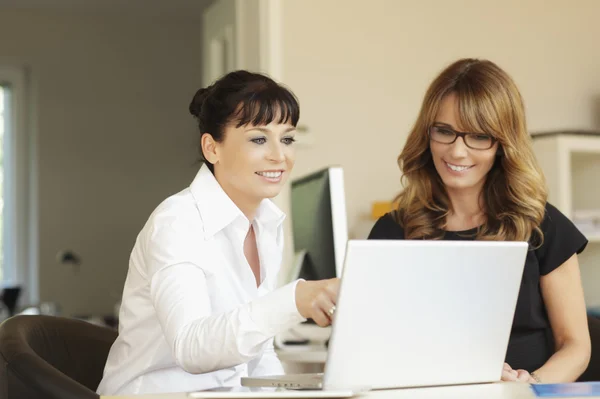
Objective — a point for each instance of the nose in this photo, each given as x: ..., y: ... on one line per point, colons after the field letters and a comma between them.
x: 276, y: 153
x: 459, y: 149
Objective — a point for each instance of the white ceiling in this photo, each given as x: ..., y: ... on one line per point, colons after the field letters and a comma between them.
x: 182, y: 8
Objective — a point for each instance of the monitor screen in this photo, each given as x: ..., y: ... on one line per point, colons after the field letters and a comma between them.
x: 319, y: 224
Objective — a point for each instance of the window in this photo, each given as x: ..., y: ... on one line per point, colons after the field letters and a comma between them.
x: 2, y: 229
x: 18, y: 237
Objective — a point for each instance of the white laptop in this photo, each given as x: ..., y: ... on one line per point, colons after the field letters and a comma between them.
x: 418, y: 313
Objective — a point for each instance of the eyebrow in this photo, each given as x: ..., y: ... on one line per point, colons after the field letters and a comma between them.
x: 460, y: 131
x: 444, y: 124
x: 265, y: 130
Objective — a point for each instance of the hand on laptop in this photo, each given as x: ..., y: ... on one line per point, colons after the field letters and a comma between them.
x: 316, y: 300
x: 508, y: 374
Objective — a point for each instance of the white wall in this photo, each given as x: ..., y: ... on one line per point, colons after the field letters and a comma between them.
x: 361, y: 69
x: 114, y: 136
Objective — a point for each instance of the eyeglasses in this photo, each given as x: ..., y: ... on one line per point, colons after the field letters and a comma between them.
x: 447, y: 135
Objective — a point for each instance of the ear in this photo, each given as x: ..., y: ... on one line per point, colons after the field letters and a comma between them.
x: 209, y: 148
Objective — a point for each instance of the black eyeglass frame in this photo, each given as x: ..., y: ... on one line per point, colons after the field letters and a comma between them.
x: 463, y: 135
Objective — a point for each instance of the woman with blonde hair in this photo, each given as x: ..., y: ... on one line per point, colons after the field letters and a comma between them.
x: 469, y: 173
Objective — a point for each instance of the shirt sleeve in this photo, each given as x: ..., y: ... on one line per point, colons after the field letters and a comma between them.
x: 267, y: 364
x: 202, y: 342
x: 561, y: 240
x: 386, y: 228
x: 199, y: 340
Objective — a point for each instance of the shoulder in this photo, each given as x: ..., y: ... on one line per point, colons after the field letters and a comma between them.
x: 386, y: 228
x: 173, y: 234
x: 561, y: 240
x: 174, y: 219
x: 556, y: 224
x: 553, y: 217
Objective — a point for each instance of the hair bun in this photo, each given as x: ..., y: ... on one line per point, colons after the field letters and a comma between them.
x: 198, y: 100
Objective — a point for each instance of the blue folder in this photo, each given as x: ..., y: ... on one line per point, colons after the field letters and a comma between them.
x: 574, y: 389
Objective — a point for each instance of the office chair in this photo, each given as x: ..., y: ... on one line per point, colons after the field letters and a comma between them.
x: 9, y: 297
x: 47, y: 357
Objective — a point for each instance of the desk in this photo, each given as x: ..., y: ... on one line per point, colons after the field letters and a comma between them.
x: 483, y: 391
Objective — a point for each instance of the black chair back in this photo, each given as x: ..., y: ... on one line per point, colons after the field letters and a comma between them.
x: 47, y: 357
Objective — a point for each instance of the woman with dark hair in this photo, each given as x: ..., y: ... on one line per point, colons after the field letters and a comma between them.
x: 469, y: 173
x: 200, y: 306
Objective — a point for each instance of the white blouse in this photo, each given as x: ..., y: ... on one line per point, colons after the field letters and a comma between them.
x: 191, y: 315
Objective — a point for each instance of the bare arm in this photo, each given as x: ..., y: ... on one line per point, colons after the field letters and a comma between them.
x: 563, y: 296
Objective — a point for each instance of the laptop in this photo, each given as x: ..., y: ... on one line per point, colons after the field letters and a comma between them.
x: 418, y: 313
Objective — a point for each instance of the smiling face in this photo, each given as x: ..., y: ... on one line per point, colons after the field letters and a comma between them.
x: 460, y: 167
x: 252, y: 162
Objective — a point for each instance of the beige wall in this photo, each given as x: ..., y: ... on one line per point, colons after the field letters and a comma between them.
x: 114, y: 137
x: 361, y: 69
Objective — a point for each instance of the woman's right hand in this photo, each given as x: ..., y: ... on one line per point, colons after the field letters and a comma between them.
x: 508, y: 374
x: 316, y: 299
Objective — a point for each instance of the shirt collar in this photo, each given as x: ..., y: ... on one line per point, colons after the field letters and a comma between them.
x: 218, y: 211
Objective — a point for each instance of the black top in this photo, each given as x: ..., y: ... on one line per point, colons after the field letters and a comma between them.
x: 531, y: 342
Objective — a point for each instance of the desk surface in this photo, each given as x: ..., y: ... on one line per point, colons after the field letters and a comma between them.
x: 484, y: 391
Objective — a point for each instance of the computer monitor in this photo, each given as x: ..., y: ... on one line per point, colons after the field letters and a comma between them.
x: 319, y: 224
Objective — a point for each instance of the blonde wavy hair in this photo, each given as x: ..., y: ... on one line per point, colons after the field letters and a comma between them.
x: 514, y: 193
